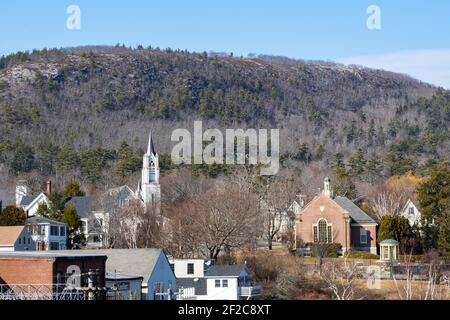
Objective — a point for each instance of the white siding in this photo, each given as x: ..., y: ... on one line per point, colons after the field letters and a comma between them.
x: 230, y: 293
x: 181, y: 268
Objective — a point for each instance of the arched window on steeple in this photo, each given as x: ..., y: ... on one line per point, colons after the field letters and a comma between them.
x: 152, y: 172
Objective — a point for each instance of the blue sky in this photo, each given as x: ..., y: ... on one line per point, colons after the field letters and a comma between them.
x: 414, y: 36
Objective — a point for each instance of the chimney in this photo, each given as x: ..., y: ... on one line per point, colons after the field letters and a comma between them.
x: 49, y: 187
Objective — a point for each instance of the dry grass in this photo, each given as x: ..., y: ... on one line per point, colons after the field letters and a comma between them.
x: 272, y: 268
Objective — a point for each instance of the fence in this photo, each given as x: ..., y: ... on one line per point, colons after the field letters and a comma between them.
x: 40, y: 292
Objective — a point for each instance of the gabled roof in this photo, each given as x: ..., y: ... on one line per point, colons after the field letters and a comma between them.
x: 232, y: 270
x: 43, y: 220
x: 407, y: 204
x: 199, y: 285
x: 9, y: 235
x: 27, y: 200
x: 122, y: 193
x: 135, y: 262
x: 84, y: 205
x: 353, y: 210
x: 33, y: 201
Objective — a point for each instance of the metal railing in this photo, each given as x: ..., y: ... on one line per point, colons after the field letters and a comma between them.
x: 40, y: 292
x: 251, y: 291
x: 186, y: 294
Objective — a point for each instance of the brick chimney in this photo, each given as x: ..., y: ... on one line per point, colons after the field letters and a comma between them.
x: 49, y: 187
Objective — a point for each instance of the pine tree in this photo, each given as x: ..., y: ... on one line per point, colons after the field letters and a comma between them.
x: 73, y: 189
x: 357, y: 163
x: 433, y: 196
x: 12, y: 216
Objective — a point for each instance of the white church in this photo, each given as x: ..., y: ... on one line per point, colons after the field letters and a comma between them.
x: 95, y: 215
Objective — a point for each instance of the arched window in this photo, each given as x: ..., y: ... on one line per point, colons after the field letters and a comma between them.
x: 323, y: 232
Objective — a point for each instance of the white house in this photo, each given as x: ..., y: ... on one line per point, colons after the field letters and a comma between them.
x: 199, y: 281
x: 411, y: 213
x: 188, y: 268
x: 47, y: 234
x: 16, y: 239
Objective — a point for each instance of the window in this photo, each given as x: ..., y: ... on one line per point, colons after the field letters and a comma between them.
x: 54, y: 246
x: 54, y: 230
x: 362, y: 236
x: 217, y: 283
x: 29, y: 241
x: 158, y: 291
x: 62, y: 231
x: 322, y: 231
x: 225, y: 283
x: 190, y: 268
x: 411, y: 211
x: 172, y: 266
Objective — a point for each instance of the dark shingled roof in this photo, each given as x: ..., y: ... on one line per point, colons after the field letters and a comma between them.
x: 232, y: 270
x: 353, y: 210
x: 38, y: 219
x: 26, y: 200
x: 83, y: 205
x: 199, y: 285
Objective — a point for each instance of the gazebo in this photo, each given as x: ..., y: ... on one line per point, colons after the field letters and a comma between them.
x: 389, y: 250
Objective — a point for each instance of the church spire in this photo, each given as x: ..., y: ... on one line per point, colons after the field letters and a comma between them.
x: 150, y: 147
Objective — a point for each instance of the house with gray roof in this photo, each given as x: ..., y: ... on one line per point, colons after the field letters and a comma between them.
x: 197, y: 280
x: 151, y: 265
x: 47, y: 234
x: 334, y: 219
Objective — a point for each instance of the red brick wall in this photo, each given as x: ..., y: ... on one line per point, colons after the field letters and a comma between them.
x: 26, y: 270
x: 22, y: 270
x: 312, y: 214
x: 371, y: 236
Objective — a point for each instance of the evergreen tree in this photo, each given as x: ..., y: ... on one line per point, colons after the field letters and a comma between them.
x: 12, y: 216
x: 433, y: 196
x: 67, y: 160
x: 357, y: 163
x: 70, y: 217
x: 73, y: 189
x: 126, y: 163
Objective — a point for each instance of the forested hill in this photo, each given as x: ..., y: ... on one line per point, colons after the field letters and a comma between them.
x: 69, y: 102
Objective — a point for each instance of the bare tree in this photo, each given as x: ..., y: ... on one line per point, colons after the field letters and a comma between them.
x: 276, y: 196
x: 218, y: 219
x: 340, y: 278
x: 435, y: 287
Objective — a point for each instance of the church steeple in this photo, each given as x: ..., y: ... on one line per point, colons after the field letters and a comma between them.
x: 150, y: 189
x: 150, y: 147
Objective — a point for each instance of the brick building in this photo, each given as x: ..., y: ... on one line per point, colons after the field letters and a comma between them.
x: 329, y: 219
x: 54, y: 270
